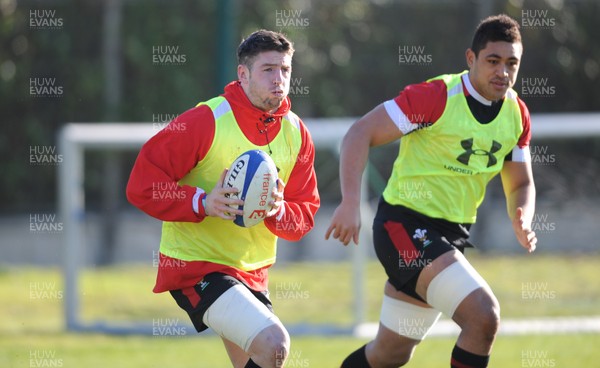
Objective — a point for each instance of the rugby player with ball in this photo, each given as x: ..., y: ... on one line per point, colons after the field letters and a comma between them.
x: 219, y: 228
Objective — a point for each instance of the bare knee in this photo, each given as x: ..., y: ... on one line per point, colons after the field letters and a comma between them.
x: 479, y: 314
x: 270, y: 347
x: 484, y: 326
x: 490, y: 322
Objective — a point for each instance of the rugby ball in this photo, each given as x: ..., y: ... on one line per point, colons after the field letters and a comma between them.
x: 254, y: 173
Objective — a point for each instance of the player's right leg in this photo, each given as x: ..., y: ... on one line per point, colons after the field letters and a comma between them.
x: 454, y: 287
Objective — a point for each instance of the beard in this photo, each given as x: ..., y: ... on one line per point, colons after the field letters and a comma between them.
x: 272, y: 103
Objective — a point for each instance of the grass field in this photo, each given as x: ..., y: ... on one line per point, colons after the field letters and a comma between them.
x: 32, y: 333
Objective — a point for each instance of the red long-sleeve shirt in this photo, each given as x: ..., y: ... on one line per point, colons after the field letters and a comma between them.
x: 174, y: 151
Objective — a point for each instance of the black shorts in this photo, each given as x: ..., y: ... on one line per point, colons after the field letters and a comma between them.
x: 197, y: 299
x: 406, y: 241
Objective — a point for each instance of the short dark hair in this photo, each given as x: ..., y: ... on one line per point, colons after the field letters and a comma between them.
x: 495, y: 28
x: 260, y: 41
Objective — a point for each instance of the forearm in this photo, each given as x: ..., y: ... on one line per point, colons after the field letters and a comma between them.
x: 524, y: 197
x: 300, y: 196
x: 294, y: 220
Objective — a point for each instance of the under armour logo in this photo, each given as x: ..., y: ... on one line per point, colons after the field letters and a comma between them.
x: 467, y: 145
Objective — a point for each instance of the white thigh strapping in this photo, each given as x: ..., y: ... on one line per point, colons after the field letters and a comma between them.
x: 238, y: 316
x: 452, y: 285
x: 407, y: 319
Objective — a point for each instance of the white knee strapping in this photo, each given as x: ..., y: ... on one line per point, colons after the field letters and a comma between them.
x: 238, y: 316
x: 407, y: 319
x: 451, y: 286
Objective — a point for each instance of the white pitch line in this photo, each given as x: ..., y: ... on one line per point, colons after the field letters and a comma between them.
x: 508, y: 327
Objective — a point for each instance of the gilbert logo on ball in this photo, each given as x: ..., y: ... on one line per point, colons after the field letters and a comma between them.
x: 254, y: 173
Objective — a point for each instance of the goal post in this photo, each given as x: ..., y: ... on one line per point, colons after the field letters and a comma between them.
x: 76, y: 138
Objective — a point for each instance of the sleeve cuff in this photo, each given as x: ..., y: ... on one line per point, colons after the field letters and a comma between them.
x: 521, y: 154
x: 197, y: 202
x: 281, y: 213
x: 399, y: 118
